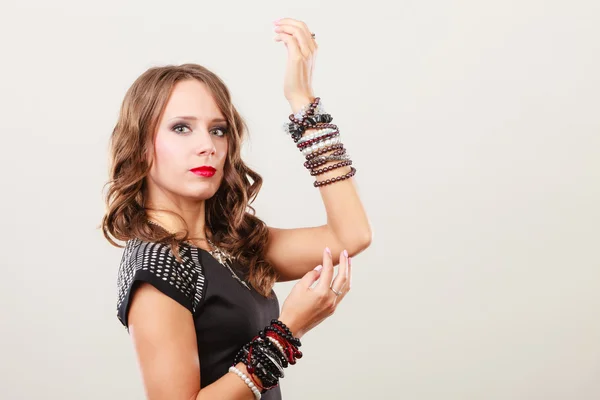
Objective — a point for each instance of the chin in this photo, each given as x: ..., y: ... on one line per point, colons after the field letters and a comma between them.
x: 202, y: 193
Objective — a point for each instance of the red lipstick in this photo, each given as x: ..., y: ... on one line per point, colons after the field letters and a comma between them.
x: 205, y: 171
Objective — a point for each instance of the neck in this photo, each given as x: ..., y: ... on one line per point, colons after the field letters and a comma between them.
x: 193, y: 220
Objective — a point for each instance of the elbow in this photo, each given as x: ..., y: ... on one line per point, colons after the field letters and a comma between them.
x: 360, y: 242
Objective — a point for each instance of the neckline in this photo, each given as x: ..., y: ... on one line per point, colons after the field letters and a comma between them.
x: 228, y: 261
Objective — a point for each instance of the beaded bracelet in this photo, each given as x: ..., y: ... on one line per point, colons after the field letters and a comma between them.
x: 269, y: 353
x: 306, y: 112
x: 330, y: 168
x: 321, y: 145
x: 320, y: 125
x: 254, y: 364
x: 317, y: 162
x: 320, y: 139
x: 337, y: 147
x: 316, y: 134
x: 336, y: 179
x: 247, y: 381
x: 315, y: 147
x: 297, y: 130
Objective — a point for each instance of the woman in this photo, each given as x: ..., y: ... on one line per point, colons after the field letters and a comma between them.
x: 195, y: 281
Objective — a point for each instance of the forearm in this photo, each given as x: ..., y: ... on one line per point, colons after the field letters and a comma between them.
x: 230, y: 386
x: 346, y: 216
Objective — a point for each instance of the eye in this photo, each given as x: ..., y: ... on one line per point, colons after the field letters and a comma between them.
x: 180, y: 128
x: 220, y: 131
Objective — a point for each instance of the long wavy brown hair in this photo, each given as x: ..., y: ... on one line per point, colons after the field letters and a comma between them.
x: 229, y: 216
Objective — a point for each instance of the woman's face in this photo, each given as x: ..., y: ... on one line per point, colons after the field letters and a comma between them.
x: 190, y: 145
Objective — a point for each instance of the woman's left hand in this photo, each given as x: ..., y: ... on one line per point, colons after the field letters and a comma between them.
x: 302, y: 51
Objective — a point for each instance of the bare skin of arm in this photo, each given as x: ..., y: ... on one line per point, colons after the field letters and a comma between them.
x: 164, y: 338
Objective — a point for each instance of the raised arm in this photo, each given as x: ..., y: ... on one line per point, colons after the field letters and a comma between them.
x: 293, y: 252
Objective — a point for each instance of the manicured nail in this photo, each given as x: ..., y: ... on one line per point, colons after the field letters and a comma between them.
x: 277, y: 20
x: 345, y: 253
x: 318, y: 268
x: 328, y: 251
x: 350, y: 261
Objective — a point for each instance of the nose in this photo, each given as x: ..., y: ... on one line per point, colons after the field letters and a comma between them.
x: 205, y: 145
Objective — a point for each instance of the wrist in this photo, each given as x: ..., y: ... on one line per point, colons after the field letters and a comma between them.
x: 296, y: 103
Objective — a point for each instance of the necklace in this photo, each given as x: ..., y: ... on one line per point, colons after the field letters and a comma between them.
x: 218, y: 254
x: 224, y: 259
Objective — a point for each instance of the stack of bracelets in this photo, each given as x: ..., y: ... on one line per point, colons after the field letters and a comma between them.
x: 266, y: 356
x: 314, y: 146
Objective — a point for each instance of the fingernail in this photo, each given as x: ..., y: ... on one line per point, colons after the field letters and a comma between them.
x: 350, y: 261
x: 328, y: 251
x: 345, y: 253
x: 318, y: 268
x: 277, y: 20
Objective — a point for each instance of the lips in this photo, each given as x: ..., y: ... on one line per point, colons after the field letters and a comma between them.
x: 204, y: 171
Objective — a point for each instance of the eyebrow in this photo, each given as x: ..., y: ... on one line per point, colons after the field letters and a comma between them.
x: 192, y: 118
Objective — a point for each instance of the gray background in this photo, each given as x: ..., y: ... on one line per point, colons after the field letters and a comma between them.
x: 474, y: 126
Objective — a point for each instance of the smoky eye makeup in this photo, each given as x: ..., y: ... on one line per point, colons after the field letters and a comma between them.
x: 223, y: 130
x: 180, y: 127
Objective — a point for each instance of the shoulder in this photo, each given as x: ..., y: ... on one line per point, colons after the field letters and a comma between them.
x: 155, y: 263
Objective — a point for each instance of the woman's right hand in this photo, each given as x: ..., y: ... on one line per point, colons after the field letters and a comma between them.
x: 307, y: 307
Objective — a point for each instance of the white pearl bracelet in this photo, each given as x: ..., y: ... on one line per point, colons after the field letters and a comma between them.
x: 278, y: 345
x: 321, y: 145
x: 315, y: 135
x: 247, y: 381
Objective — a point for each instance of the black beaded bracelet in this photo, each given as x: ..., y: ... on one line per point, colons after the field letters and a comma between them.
x: 297, y: 130
x: 256, y: 367
x: 295, y: 341
x: 266, y: 360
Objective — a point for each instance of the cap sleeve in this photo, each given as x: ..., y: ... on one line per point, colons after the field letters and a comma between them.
x: 154, y: 263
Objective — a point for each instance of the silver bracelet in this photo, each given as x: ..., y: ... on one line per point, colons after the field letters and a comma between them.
x: 318, y: 160
x: 247, y: 381
x: 321, y: 145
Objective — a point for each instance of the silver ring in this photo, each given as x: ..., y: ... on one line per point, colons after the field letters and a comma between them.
x: 335, y: 291
x: 313, y: 35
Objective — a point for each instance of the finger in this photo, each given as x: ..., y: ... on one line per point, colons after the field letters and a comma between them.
x: 291, y: 43
x: 310, y: 277
x: 305, y: 42
x: 349, y: 285
x: 299, y: 24
x: 339, y: 283
x: 327, y: 273
x: 348, y: 282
